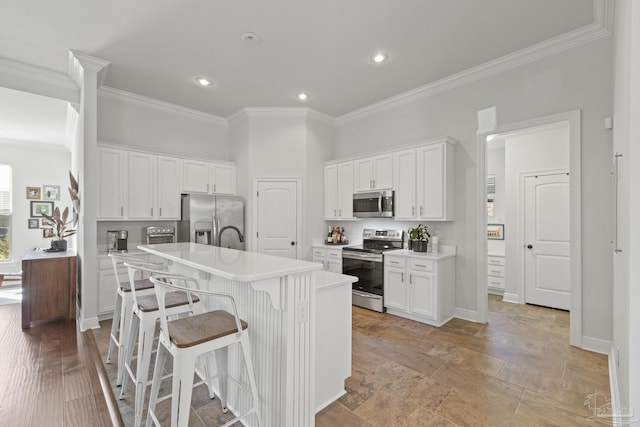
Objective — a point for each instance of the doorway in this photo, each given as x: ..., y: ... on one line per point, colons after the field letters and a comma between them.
x: 515, y: 276
x: 278, y: 217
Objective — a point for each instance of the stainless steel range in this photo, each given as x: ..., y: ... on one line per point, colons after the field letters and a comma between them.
x: 365, y: 262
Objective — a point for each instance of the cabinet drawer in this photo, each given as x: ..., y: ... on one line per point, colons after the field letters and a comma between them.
x: 334, y: 253
x: 421, y: 264
x: 395, y: 261
x: 495, y: 270
x: 318, y: 252
x: 495, y: 282
x: 495, y: 260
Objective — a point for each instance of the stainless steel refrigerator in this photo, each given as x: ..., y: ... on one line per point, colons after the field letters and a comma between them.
x: 212, y: 220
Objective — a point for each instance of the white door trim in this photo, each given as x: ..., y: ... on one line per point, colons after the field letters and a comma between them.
x: 299, y: 204
x: 573, y: 118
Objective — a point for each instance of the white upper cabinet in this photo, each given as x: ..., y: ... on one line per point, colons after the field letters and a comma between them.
x: 338, y: 191
x: 111, y: 183
x: 373, y: 173
x: 141, y: 188
x: 209, y: 178
x: 404, y: 167
x: 222, y: 179
x: 436, y: 181
x: 195, y: 176
x: 168, y: 192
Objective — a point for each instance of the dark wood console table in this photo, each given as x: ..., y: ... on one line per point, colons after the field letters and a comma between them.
x: 48, y: 286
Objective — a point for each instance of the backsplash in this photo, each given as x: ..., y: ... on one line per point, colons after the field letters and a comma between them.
x: 135, y: 229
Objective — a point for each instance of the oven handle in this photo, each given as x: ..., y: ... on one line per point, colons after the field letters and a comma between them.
x: 365, y: 295
x: 363, y: 257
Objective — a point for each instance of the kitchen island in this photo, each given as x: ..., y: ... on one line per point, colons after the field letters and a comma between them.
x: 277, y: 298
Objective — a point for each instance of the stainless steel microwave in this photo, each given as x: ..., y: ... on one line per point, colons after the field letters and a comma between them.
x: 378, y: 204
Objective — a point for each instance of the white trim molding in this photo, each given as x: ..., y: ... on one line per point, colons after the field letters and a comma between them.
x: 144, y: 101
x: 86, y: 324
x: 79, y: 61
x: 465, y: 314
x: 279, y: 112
x: 600, y: 28
x: 596, y: 345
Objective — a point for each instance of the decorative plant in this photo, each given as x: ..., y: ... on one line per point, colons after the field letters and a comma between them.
x: 59, y: 223
x: 420, y: 233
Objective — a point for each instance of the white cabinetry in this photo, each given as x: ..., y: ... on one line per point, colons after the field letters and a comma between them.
x: 424, y: 180
x: 168, y: 192
x: 330, y: 258
x: 420, y: 287
x: 142, y: 186
x: 137, y: 186
x: 210, y: 178
x: 111, y: 183
x: 373, y: 173
x: 107, y: 285
x: 495, y: 273
x: 338, y: 191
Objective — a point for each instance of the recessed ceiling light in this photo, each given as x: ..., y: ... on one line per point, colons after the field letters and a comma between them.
x: 249, y: 38
x: 302, y: 96
x: 203, y: 81
x: 379, y: 57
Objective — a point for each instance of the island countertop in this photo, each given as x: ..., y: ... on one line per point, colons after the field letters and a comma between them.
x: 230, y: 263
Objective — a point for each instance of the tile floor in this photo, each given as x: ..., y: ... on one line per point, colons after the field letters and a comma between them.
x: 517, y: 370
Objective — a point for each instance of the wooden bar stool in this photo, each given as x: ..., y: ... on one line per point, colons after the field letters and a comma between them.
x: 198, y: 336
x: 145, y: 314
x: 121, y: 322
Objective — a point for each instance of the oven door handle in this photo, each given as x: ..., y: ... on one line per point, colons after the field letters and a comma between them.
x: 363, y: 257
x: 380, y: 204
x: 365, y: 295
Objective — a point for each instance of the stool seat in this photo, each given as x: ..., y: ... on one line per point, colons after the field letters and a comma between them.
x: 149, y: 303
x: 141, y: 285
x: 203, y: 327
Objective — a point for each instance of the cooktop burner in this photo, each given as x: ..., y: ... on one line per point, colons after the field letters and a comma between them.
x: 378, y: 241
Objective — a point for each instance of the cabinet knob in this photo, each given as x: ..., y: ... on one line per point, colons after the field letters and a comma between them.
x: 529, y: 246
x: 293, y: 243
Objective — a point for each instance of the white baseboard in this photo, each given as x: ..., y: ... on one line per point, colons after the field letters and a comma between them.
x: 330, y: 401
x: 86, y: 324
x: 596, y: 345
x: 466, y: 314
x: 613, y: 380
x: 512, y: 298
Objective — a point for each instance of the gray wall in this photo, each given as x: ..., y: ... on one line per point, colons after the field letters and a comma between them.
x: 576, y: 79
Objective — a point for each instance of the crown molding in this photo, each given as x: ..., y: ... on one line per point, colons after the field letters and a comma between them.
x: 281, y: 112
x: 32, y: 79
x: 78, y: 62
x: 600, y: 28
x: 35, y: 146
x: 144, y: 101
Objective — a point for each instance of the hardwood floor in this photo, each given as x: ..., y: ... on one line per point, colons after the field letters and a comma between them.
x: 517, y: 370
x: 48, y: 375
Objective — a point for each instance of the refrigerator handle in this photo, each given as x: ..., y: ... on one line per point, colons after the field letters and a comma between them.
x: 214, y: 238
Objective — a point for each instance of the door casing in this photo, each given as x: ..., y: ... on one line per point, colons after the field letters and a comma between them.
x: 573, y: 118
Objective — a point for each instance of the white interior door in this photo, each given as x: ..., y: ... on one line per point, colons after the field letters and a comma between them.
x: 277, y: 218
x: 547, y: 238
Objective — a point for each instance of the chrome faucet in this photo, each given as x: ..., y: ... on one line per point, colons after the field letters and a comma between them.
x: 240, y: 236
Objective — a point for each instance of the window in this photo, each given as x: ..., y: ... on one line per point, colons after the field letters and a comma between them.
x: 5, y: 212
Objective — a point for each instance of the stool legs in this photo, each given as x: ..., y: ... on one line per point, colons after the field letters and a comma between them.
x: 246, y: 351
x: 145, y: 349
x: 183, y: 369
x: 161, y: 360
x: 115, y: 325
x: 133, y: 333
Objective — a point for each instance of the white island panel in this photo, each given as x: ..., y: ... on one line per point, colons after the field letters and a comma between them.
x: 276, y: 297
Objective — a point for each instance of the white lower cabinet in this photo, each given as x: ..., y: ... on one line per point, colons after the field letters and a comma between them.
x: 420, y: 287
x: 495, y: 274
x: 330, y: 258
x: 107, y: 286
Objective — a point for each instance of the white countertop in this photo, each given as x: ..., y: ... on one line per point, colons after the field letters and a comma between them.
x: 421, y: 255
x: 40, y: 253
x: 230, y: 263
x: 326, y: 279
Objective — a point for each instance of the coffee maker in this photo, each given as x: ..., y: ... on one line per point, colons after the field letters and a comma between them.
x: 117, y: 240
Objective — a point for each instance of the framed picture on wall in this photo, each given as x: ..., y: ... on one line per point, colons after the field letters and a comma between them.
x: 39, y: 208
x: 47, y: 232
x: 495, y: 231
x: 51, y: 192
x: 34, y: 223
x: 33, y: 193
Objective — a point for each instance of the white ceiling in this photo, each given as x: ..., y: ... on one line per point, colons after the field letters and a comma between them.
x: 157, y: 47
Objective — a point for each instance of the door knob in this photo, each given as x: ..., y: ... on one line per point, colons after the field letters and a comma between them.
x: 529, y: 246
x: 293, y: 243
